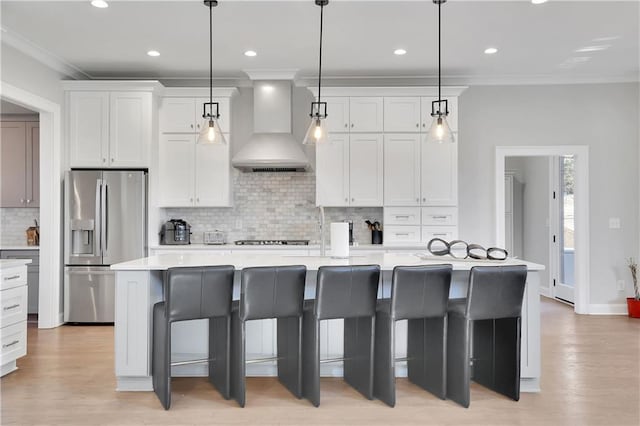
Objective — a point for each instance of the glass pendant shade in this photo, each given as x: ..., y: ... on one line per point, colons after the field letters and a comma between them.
x: 440, y: 132
x: 317, y: 132
x: 211, y: 133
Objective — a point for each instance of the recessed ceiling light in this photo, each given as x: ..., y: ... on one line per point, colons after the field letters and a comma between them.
x: 490, y: 50
x: 400, y: 52
x: 538, y: 1
x: 593, y: 48
x: 250, y: 53
x: 99, y: 4
x: 153, y: 53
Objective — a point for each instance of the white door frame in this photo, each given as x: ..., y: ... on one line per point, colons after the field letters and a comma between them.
x: 49, y: 303
x: 581, y: 190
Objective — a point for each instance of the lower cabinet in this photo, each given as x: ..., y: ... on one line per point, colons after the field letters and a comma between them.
x: 33, y: 274
x: 13, y: 318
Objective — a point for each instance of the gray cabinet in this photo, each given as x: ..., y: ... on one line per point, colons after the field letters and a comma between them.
x: 20, y: 164
x: 33, y: 274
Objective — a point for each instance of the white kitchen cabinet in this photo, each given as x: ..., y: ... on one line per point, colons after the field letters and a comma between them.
x: 402, y: 216
x: 332, y: 171
x: 366, y: 114
x: 13, y: 316
x: 439, y: 173
x: 401, y: 169
x: 337, y: 113
x: 446, y: 233
x: 184, y: 114
x: 109, y: 129
x: 401, y: 234
x: 191, y: 174
x: 20, y: 164
x: 402, y: 114
x: 366, y: 172
x: 452, y: 118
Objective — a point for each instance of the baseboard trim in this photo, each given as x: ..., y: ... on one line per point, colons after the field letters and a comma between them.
x: 608, y: 309
x: 545, y: 291
x: 134, y: 384
x: 530, y: 385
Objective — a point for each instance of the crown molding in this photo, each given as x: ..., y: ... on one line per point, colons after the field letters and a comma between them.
x: 271, y: 74
x: 451, y: 91
x: 41, y: 55
x: 107, y: 85
x: 199, y: 92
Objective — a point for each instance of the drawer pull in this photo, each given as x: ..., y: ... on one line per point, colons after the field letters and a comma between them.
x: 402, y: 234
x: 15, y: 342
x: 402, y: 216
x: 8, y: 308
x: 439, y: 234
x: 439, y: 217
x: 12, y: 277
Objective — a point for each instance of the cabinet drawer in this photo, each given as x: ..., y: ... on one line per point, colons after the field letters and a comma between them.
x: 13, y: 339
x: 446, y: 233
x: 13, y: 303
x: 401, y: 234
x: 13, y: 277
x: 402, y: 215
x: 447, y: 216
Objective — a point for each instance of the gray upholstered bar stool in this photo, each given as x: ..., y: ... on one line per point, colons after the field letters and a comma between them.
x: 189, y: 294
x: 270, y: 292
x: 347, y: 292
x: 419, y: 294
x: 486, y: 324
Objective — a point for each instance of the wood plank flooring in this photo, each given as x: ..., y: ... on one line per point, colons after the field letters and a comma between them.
x: 590, y: 376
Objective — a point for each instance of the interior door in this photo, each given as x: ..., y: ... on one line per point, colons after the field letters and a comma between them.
x: 565, y: 228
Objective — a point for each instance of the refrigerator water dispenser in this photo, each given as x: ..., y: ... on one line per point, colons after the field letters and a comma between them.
x: 82, y: 236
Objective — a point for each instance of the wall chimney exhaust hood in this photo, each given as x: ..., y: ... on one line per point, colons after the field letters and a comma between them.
x: 272, y: 147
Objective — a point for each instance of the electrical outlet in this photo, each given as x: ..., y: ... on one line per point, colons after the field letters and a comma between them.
x: 620, y: 285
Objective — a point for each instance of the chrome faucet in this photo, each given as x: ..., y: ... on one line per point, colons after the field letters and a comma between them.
x: 322, y: 244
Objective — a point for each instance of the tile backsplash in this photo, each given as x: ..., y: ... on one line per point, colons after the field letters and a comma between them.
x: 273, y: 206
x: 14, y: 223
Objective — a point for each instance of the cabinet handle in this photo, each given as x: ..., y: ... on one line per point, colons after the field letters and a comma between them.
x: 353, y: 199
x: 417, y: 124
x: 104, y: 160
x: 13, y: 277
x: 28, y: 201
x: 439, y: 234
x: 197, y: 200
x: 403, y: 216
x: 346, y: 199
x: 424, y: 125
x: 346, y: 125
x: 424, y: 200
x: 8, y: 308
x: 21, y: 200
x: 402, y: 234
x: 191, y: 125
x: 15, y: 342
x: 418, y: 200
x: 191, y: 200
x: 112, y: 160
x: 352, y: 125
x: 438, y: 217
x: 198, y: 125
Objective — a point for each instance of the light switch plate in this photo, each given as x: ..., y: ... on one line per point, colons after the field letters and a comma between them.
x: 614, y: 223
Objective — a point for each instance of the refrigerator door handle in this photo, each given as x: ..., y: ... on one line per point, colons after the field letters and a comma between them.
x: 98, y: 237
x: 104, y: 220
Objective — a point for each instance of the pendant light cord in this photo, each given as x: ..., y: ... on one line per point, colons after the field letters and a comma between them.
x: 211, y: 55
x: 439, y: 58
x: 320, y: 61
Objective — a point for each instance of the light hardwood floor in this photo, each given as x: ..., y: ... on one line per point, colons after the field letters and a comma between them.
x: 591, y: 368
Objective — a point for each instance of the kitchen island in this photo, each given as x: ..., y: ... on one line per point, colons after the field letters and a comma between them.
x: 139, y: 286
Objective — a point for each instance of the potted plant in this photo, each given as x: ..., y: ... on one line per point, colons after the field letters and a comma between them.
x: 633, y: 303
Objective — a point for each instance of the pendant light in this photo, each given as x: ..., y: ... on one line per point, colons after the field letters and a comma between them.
x: 317, y: 132
x: 440, y: 131
x: 211, y: 133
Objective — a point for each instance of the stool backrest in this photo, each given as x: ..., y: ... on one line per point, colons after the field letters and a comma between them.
x: 346, y: 291
x: 420, y: 291
x: 496, y: 292
x: 272, y: 292
x: 198, y: 292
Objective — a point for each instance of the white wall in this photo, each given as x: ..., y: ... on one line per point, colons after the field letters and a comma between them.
x: 602, y: 116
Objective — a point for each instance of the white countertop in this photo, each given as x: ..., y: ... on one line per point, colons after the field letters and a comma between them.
x: 11, y: 263
x: 6, y: 247
x: 195, y: 247
x: 387, y: 261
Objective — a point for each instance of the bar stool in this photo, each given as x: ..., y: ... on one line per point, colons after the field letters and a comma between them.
x: 270, y: 292
x: 419, y: 294
x: 347, y: 292
x: 189, y: 294
x: 486, y: 324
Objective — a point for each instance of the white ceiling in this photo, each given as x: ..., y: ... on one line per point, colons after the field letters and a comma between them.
x: 536, y: 43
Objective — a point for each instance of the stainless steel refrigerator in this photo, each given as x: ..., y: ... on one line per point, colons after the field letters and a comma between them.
x: 105, y: 223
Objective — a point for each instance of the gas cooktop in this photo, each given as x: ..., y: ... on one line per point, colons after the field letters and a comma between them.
x: 272, y: 242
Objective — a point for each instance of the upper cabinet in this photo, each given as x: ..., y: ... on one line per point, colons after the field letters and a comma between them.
x: 402, y: 170
x: 337, y: 114
x: 366, y: 170
x: 110, y: 124
x: 184, y: 114
x: 365, y: 114
x: 332, y: 171
x: 439, y: 173
x: 402, y: 114
x: 20, y: 164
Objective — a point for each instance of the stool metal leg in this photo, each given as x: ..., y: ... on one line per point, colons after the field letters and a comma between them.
x: 426, y: 350
x: 311, y: 357
x: 384, y: 385
x: 359, y: 337
x: 161, y: 362
x: 238, y: 367
x: 219, y: 351
x: 290, y: 354
x: 458, y: 350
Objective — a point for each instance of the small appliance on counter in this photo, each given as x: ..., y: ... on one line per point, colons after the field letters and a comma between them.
x: 376, y: 231
x: 175, y: 232
x: 350, y: 222
x: 33, y: 235
x: 214, y: 237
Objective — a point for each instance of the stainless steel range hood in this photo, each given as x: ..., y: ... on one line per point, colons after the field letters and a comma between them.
x: 272, y: 147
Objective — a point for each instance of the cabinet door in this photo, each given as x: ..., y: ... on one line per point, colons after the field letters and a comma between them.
x: 13, y: 154
x: 402, y: 170
x: 366, y: 170
x: 452, y: 118
x: 178, y: 115
x: 337, y: 114
x: 33, y: 165
x: 224, y: 109
x: 332, y: 171
x: 365, y: 114
x: 130, y: 129
x: 439, y: 173
x: 402, y: 114
x: 88, y: 129
x: 176, y: 170
x: 212, y: 175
